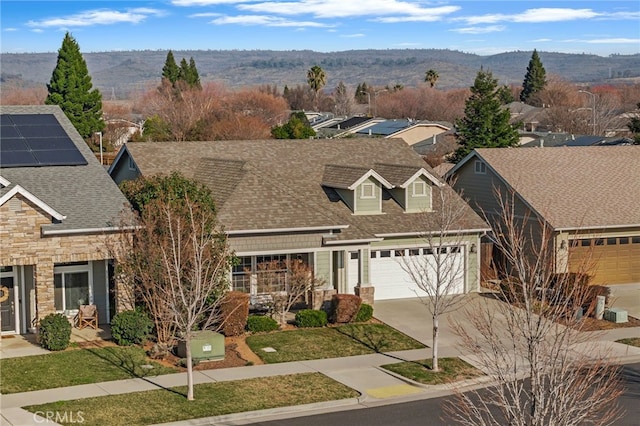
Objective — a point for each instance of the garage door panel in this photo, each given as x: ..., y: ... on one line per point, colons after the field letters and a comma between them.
x: 617, y: 261
x: 392, y: 280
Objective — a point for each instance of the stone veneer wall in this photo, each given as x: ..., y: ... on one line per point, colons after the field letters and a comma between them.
x: 21, y: 243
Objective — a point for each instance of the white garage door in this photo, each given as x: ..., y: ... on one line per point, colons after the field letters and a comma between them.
x: 389, y: 273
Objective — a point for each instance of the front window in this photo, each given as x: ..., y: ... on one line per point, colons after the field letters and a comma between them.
x: 266, y: 273
x: 419, y: 189
x: 368, y: 190
x: 71, y: 290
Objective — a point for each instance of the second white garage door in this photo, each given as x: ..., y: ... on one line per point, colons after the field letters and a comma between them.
x: 392, y: 281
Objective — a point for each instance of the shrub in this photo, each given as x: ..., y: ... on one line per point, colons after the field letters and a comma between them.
x: 311, y: 318
x: 55, y: 332
x: 258, y: 323
x: 234, y: 312
x: 130, y: 327
x: 365, y: 313
x: 344, y: 308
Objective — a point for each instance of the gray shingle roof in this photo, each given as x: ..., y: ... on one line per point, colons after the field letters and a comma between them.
x: 574, y: 187
x: 85, y: 194
x: 281, y: 186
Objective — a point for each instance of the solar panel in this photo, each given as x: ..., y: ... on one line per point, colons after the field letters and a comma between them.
x: 35, y: 140
x: 45, y: 131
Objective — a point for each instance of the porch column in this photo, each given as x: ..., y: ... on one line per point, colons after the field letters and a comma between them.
x: 364, y: 289
x: 45, y: 296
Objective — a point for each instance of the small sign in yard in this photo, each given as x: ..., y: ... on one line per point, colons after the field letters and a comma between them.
x: 269, y: 349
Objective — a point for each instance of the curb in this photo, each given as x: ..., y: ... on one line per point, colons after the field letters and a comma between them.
x: 280, y: 412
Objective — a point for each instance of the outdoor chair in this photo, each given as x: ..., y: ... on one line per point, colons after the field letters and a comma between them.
x: 88, y: 317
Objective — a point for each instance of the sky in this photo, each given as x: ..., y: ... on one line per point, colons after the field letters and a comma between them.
x: 472, y: 26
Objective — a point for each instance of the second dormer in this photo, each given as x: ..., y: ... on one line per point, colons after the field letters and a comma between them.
x: 358, y: 187
x: 412, y: 186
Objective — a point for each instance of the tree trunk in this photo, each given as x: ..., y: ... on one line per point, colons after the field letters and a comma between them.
x: 434, y: 348
x: 189, y: 369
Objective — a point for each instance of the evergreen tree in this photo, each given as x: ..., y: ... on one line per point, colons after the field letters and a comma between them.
x: 361, y: 93
x: 534, y: 80
x: 505, y: 95
x: 170, y: 71
x: 71, y: 88
x: 193, y: 79
x: 486, y: 123
x: 298, y: 127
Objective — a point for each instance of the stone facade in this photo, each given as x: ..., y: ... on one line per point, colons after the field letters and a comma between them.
x: 22, y: 243
x: 365, y: 293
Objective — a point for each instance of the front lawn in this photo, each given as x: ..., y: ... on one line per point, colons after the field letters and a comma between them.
x: 75, y: 367
x: 330, y: 342
x: 211, y: 399
x: 451, y: 370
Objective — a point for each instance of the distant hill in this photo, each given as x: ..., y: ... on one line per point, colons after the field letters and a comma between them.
x: 123, y: 72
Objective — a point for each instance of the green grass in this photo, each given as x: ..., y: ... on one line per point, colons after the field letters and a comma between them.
x: 632, y: 341
x: 330, y: 342
x: 75, y: 367
x: 451, y: 370
x: 211, y: 399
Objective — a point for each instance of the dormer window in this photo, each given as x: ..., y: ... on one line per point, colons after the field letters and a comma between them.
x: 368, y: 190
x: 481, y: 168
x: 419, y: 188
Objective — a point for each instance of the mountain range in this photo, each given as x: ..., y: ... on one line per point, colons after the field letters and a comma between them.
x: 118, y: 74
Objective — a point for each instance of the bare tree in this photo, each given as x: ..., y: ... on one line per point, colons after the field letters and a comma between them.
x: 439, y: 273
x: 532, y: 333
x: 179, y: 266
x: 287, y: 282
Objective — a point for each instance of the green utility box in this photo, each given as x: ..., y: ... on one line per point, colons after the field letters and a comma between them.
x: 206, y: 345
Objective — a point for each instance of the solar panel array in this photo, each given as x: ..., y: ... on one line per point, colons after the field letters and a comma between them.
x: 386, y: 127
x: 36, y: 140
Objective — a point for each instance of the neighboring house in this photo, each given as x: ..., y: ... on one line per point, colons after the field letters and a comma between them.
x: 57, y: 208
x: 588, y: 196
x: 350, y: 208
x: 530, y: 140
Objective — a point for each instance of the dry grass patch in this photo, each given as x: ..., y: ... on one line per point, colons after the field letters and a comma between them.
x: 212, y: 399
x: 632, y: 341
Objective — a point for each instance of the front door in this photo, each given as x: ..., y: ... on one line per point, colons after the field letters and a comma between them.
x: 7, y: 307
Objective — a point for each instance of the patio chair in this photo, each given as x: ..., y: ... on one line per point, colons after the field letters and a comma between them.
x: 88, y: 317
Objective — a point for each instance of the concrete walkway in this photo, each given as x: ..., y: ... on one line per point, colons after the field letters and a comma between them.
x: 362, y: 373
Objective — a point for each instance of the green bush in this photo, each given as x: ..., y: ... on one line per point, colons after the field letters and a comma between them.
x: 311, y: 318
x: 130, y: 327
x: 258, y: 323
x: 55, y: 332
x: 365, y: 313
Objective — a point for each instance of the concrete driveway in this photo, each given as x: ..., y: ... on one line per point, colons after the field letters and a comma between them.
x: 626, y: 296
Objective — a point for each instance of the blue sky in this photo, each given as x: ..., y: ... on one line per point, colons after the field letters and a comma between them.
x: 482, y: 27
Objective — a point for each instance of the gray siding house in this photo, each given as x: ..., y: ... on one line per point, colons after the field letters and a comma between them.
x: 350, y: 208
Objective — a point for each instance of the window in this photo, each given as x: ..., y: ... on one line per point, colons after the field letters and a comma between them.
x: 399, y: 253
x: 455, y: 249
x: 414, y: 252
x: 635, y: 240
x: 241, y: 274
x: 132, y: 164
x: 367, y: 191
x: 245, y: 276
x: 481, y: 167
x: 72, y: 288
x: 599, y: 242
x: 374, y: 254
x: 585, y: 243
x: 624, y: 240
x: 611, y: 241
x: 354, y: 255
x: 428, y: 251
x: 419, y: 189
x: 385, y: 253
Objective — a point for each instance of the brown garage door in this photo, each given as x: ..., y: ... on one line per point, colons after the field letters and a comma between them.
x: 614, y: 260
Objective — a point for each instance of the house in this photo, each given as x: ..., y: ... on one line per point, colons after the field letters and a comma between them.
x: 589, y: 197
x: 349, y: 208
x: 57, y: 208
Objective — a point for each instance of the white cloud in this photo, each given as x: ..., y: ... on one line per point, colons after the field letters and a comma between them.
x: 614, y: 41
x: 539, y: 15
x: 97, y: 17
x: 344, y: 9
x: 188, y: 3
x: 480, y: 30
x: 541, y: 40
x: 352, y: 35
x: 269, y: 21
x: 9, y: 29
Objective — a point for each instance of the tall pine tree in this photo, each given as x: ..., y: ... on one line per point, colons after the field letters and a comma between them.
x: 486, y: 122
x: 71, y: 88
x: 170, y: 71
x: 534, y: 80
